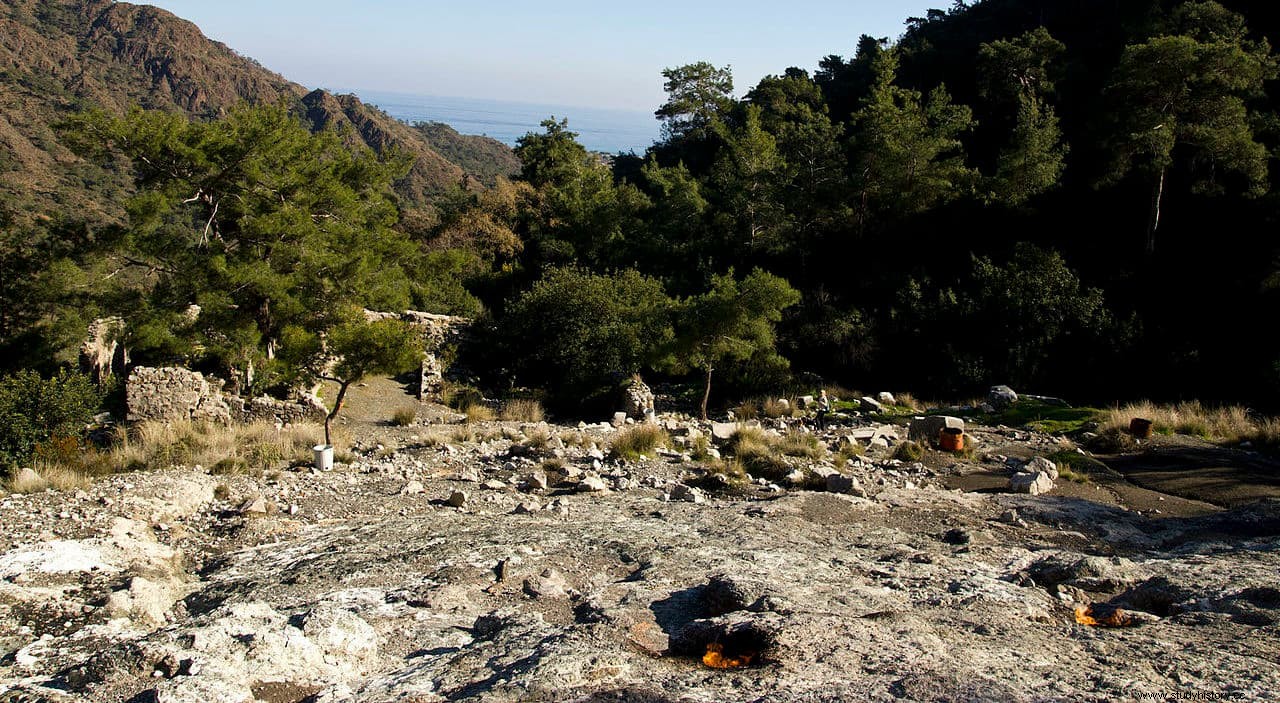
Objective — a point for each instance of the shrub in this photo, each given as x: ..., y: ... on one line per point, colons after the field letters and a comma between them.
x: 34, y: 410
x: 538, y: 438
x: 909, y: 451
x: 757, y: 454
x: 747, y: 410
x: 404, y: 417
x: 576, y: 332
x: 701, y: 448
x: 801, y: 444
x: 639, y: 440
x: 523, y: 410
x: 848, y: 450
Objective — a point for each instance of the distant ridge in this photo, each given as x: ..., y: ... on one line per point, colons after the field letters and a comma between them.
x: 61, y: 56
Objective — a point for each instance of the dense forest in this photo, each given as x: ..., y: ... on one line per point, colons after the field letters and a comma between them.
x: 1069, y: 196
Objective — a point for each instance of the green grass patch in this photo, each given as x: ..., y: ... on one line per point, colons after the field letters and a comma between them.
x: 1042, y: 417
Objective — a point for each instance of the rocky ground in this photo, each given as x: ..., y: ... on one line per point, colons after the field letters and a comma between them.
x: 435, y: 566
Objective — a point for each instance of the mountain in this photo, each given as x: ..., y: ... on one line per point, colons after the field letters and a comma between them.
x: 61, y: 56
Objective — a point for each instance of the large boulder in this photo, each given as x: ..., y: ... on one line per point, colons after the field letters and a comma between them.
x: 1001, y: 397
x: 927, y: 429
x: 1031, y: 483
x: 1041, y: 465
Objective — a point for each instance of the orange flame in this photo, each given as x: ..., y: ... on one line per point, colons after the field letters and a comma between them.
x: 1108, y: 618
x: 716, y: 659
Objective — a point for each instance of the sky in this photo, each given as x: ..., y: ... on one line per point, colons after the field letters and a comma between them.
x: 565, y: 52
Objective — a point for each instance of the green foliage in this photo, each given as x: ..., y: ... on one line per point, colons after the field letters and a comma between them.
x: 1186, y: 90
x: 698, y: 94
x: 576, y: 333
x: 1016, y: 72
x: 35, y: 410
x: 582, y: 215
x: 908, y: 154
x: 1027, y: 308
x: 264, y: 225
x: 732, y: 322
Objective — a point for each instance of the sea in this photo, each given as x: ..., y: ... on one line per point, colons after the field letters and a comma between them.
x: 604, y: 130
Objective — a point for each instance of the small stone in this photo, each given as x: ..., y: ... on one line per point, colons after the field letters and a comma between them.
x: 254, y: 506
x: 413, y: 488
x: 686, y: 493
x: 457, y: 499
x: 527, y: 507
x: 536, y: 481
x: 592, y: 483
x: 494, y: 485
x: 1033, y: 484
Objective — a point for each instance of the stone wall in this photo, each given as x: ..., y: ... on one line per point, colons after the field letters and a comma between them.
x: 438, y: 332
x: 174, y: 394
x: 167, y: 394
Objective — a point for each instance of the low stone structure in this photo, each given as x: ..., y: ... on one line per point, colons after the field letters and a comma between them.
x: 171, y: 393
x: 637, y: 400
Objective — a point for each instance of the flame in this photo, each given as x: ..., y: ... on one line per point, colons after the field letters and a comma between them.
x: 716, y: 659
x: 1106, y: 618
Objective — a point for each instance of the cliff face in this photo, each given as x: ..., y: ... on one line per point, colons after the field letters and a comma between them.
x: 60, y: 56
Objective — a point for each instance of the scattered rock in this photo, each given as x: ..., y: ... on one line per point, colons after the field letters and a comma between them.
x: 457, y: 499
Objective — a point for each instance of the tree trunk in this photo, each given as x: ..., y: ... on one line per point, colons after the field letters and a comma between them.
x: 1157, y: 201
x: 706, y: 395
x: 337, y: 408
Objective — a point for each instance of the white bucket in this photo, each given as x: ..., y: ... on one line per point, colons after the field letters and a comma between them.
x: 324, y: 457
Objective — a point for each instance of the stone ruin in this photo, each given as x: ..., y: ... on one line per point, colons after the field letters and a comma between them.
x: 101, y: 353
x: 171, y: 393
x: 637, y: 400
x: 438, y: 333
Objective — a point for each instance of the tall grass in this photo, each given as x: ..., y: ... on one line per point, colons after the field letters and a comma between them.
x: 523, y: 410
x: 1226, y: 424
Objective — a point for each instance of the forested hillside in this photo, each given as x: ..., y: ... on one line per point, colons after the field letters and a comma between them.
x: 1072, y: 196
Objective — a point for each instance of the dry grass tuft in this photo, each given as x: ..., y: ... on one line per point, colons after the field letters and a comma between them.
x: 909, y: 451
x: 802, y: 444
x: 404, y: 417
x: 748, y: 410
x: 523, y: 410
x: 639, y: 440
x: 777, y: 407
x: 479, y: 413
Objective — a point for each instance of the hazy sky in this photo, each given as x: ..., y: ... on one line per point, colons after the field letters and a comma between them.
x: 569, y: 52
